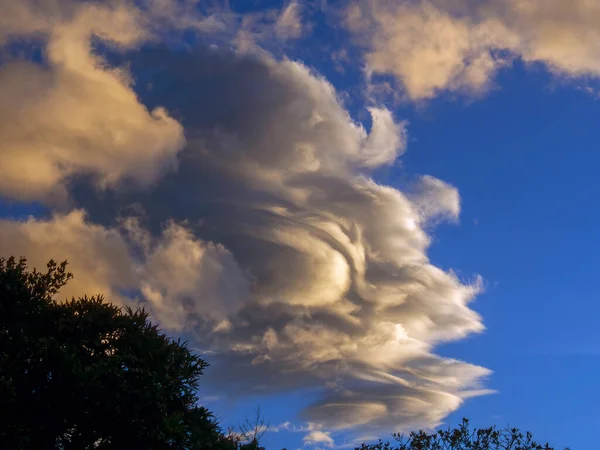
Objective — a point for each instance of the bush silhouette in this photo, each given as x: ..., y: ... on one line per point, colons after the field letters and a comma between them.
x: 85, y: 374
x: 461, y: 438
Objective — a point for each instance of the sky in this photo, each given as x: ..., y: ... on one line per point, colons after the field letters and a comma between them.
x: 369, y: 216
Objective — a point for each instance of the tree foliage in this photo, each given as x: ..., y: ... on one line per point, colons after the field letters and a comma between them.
x: 252, y: 430
x: 85, y: 374
x: 461, y: 438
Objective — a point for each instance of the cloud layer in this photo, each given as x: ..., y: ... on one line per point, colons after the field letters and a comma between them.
x: 262, y: 235
x: 433, y: 46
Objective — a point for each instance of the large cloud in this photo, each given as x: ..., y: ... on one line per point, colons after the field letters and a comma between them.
x: 435, y: 45
x: 270, y: 244
x: 342, y: 295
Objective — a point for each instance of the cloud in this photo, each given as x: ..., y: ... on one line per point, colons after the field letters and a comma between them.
x: 427, y: 48
x: 319, y: 437
x: 436, y: 199
x: 341, y: 295
x: 289, y: 23
x: 268, y: 243
x: 72, y: 114
x: 436, y: 46
x: 314, y: 434
x: 268, y: 29
x: 178, y: 276
x: 99, y: 257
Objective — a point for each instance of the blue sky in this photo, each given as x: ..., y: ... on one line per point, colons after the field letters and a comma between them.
x: 524, y: 162
x: 222, y: 211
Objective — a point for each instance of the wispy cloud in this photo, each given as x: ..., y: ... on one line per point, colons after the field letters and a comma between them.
x: 289, y: 23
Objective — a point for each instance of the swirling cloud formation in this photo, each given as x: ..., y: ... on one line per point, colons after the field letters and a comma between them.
x: 262, y: 235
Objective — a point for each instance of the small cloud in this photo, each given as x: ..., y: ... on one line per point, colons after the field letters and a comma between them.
x: 319, y: 437
x: 341, y: 58
x: 289, y: 23
x: 436, y: 200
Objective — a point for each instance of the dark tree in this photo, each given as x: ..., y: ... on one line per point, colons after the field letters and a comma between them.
x: 461, y: 438
x: 252, y: 430
x: 85, y: 374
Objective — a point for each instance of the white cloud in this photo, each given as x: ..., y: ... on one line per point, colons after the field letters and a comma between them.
x: 436, y: 199
x: 314, y: 434
x: 433, y: 46
x: 319, y: 437
x: 386, y: 141
x: 427, y: 48
x: 99, y: 257
x: 179, y: 277
x: 289, y: 24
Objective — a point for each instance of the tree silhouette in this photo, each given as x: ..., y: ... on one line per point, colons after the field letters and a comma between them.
x: 85, y: 374
x: 252, y: 430
x: 461, y: 438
